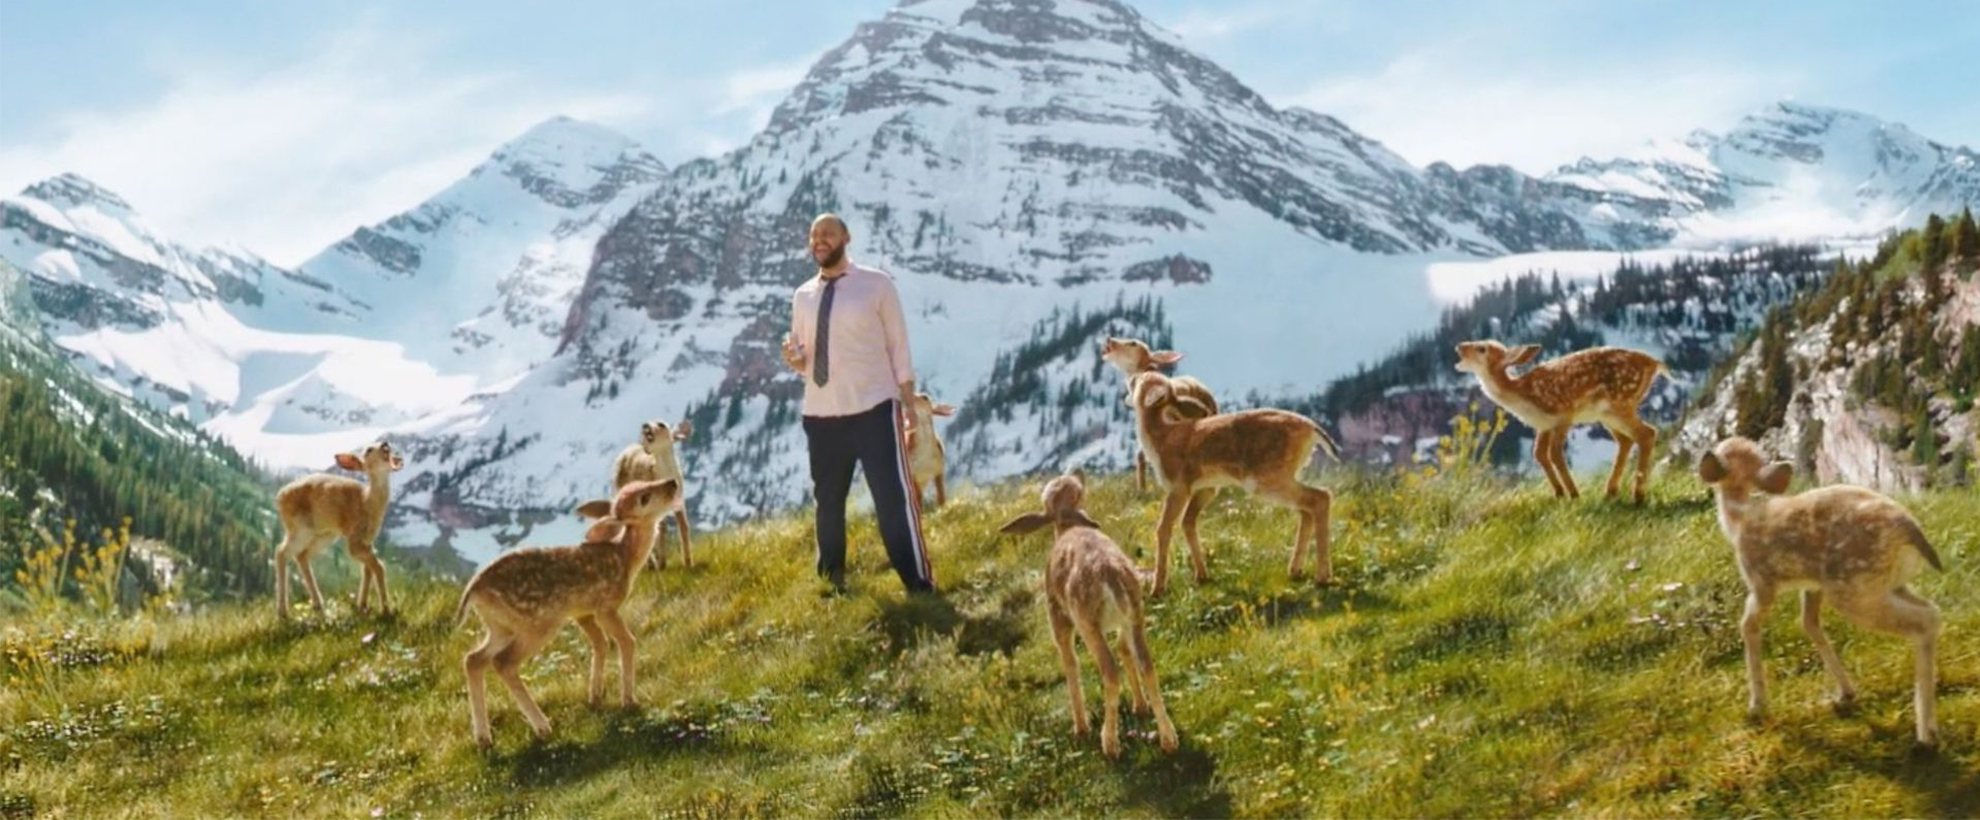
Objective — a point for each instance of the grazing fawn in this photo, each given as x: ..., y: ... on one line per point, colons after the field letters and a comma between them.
x: 1603, y: 384
x: 1091, y: 587
x: 1194, y: 452
x: 653, y: 459
x: 1850, y: 546
x: 524, y: 596
x: 1133, y: 357
x: 926, y: 456
x: 317, y: 508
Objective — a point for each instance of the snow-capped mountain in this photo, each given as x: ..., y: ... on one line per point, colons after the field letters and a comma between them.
x: 479, y: 278
x: 1028, y: 170
x: 1004, y: 160
x: 1789, y: 170
x: 202, y: 333
x: 392, y: 325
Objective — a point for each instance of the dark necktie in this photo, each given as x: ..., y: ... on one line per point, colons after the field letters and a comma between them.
x: 821, y: 344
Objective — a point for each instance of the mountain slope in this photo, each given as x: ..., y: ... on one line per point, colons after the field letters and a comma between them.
x: 478, y: 278
x: 1689, y: 311
x: 1870, y: 380
x: 1790, y: 171
x: 70, y: 450
x: 220, y: 338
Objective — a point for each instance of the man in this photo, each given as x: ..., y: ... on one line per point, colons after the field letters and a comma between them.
x: 848, y: 340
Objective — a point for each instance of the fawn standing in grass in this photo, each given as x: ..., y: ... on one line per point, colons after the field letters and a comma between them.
x: 1091, y: 587
x: 926, y: 457
x: 1193, y: 453
x: 653, y: 459
x: 1133, y: 357
x: 1602, y: 384
x: 525, y: 595
x: 317, y: 508
x: 1849, y: 546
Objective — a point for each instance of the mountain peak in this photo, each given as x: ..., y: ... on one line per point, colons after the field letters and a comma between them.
x: 563, y: 133
x: 1026, y: 20
x: 571, y: 162
x: 68, y: 190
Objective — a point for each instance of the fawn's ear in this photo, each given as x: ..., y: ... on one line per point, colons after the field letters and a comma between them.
x: 1165, y: 358
x: 605, y: 531
x: 595, y: 508
x: 683, y: 430
x: 1774, y: 477
x: 1191, y: 408
x: 1710, y: 469
x: 1080, y: 518
x: 350, y: 461
x: 1029, y: 522
x: 943, y: 409
x: 1522, y: 354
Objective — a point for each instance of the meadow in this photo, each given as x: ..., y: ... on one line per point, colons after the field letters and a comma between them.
x: 1484, y: 650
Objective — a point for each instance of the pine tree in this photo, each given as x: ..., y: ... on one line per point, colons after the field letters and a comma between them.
x: 1924, y: 442
x: 1966, y: 241
x: 1932, y: 247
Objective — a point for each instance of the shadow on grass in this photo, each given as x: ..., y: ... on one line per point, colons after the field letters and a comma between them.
x: 1940, y: 778
x: 629, y: 737
x: 1304, y: 600
x: 1183, y: 784
x: 904, y: 623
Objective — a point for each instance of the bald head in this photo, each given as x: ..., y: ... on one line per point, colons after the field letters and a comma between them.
x: 831, y: 221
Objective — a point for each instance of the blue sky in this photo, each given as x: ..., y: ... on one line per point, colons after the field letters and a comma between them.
x: 280, y: 126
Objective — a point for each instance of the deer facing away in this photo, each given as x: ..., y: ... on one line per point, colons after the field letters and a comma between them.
x: 1091, y: 588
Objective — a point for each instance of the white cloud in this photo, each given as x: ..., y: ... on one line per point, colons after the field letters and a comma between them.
x: 287, y: 161
x: 759, y: 88
x: 1466, y: 106
x: 1203, y: 24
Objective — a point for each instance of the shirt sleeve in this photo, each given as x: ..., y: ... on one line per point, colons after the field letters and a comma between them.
x: 895, y: 326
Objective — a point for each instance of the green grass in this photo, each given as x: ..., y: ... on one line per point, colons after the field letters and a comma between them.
x: 1485, y: 651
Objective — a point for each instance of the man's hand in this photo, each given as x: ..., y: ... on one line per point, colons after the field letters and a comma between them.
x: 793, y: 354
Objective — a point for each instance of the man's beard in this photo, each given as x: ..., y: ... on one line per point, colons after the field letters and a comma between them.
x: 833, y: 259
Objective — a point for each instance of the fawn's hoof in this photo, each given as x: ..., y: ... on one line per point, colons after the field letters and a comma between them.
x: 1169, y: 741
x: 1926, y: 745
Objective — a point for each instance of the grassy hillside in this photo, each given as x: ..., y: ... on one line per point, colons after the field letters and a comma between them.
x: 1485, y: 651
